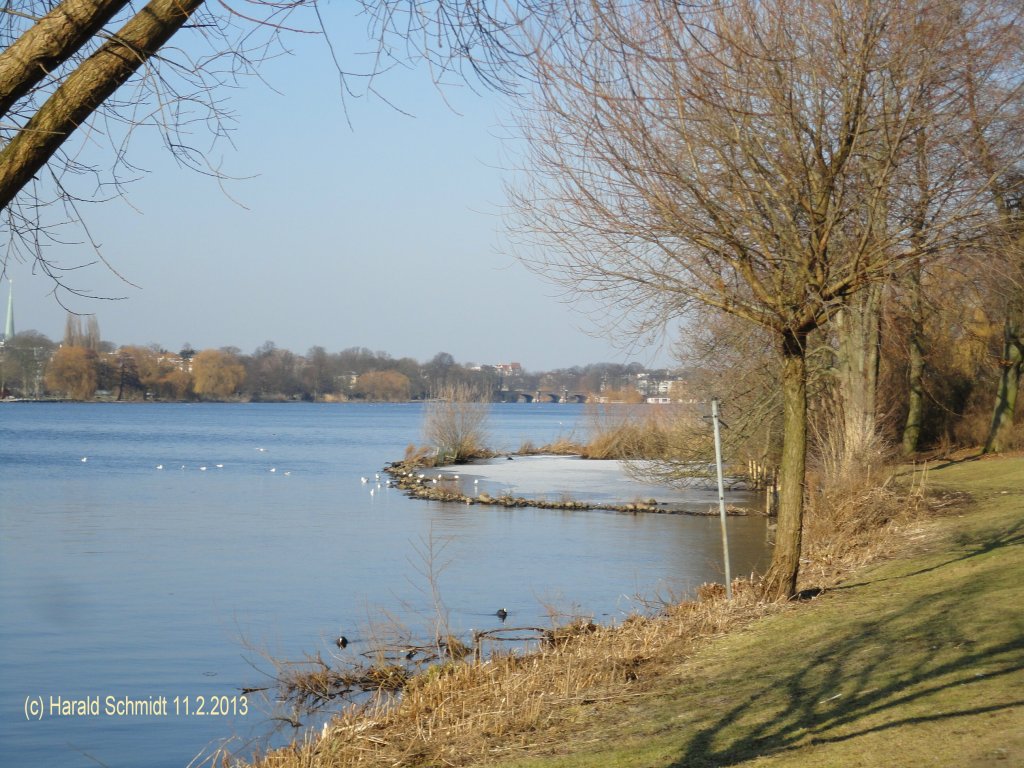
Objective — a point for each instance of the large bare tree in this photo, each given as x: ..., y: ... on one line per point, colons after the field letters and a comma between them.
x: 741, y: 156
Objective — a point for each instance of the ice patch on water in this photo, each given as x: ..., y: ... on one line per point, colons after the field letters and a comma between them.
x: 593, y: 480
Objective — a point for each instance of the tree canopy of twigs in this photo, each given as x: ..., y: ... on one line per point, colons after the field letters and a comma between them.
x: 83, y: 81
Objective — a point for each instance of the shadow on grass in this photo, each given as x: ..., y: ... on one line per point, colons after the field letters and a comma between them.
x: 1004, y: 537
x: 922, y: 662
x: 954, y: 462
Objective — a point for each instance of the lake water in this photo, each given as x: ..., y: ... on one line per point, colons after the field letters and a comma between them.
x: 122, y: 583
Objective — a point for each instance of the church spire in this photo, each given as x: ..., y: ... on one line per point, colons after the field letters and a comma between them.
x: 9, y: 324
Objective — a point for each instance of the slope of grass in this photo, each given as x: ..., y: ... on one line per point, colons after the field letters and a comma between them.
x: 918, y: 661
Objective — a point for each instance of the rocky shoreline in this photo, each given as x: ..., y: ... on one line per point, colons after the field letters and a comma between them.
x: 445, y: 485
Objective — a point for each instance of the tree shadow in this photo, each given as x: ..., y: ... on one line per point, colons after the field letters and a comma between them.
x: 954, y: 462
x: 1003, y: 537
x: 863, y: 682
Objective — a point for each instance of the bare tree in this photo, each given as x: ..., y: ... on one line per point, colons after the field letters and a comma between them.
x: 997, y: 140
x: 739, y: 157
x: 911, y: 432
x: 986, y: 69
x: 1010, y: 242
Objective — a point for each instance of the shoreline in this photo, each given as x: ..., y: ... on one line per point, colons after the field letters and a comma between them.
x: 448, y: 484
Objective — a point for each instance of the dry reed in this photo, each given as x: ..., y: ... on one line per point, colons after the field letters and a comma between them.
x: 458, y: 713
x: 624, y: 432
x: 563, y: 446
x: 852, y: 520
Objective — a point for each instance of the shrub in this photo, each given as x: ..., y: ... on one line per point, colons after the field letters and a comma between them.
x: 455, y: 424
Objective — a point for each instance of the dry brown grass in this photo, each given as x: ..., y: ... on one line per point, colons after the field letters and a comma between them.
x: 852, y: 520
x: 527, y: 448
x: 311, y: 684
x: 624, y: 432
x: 419, y: 456
x: 563, y: 446
x: 457, y: 713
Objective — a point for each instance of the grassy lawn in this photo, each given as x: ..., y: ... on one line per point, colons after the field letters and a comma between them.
x: 918, y: 661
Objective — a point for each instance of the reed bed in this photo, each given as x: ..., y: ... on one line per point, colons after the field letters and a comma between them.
x: 624, y: 432
x: 461, y: 712
x: 561, y: 446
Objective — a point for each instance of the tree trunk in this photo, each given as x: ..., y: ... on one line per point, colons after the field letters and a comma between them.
x: 85, y: 89
x: 780, y: 581
x: 859, y: 328
x: 50, y: 42
x: 915, y: 377
x: 1011, y: 362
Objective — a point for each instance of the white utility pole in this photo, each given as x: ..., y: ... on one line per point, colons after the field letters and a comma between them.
x: 721, y: 497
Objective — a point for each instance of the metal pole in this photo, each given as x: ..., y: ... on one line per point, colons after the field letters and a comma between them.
x: 721, y: 497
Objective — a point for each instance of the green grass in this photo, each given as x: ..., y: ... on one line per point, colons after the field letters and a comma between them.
x: 918, y: 661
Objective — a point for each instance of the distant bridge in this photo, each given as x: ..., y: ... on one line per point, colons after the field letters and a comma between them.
x: 518, y: 396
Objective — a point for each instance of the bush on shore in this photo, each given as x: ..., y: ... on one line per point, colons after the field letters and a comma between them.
x: 455, y: 424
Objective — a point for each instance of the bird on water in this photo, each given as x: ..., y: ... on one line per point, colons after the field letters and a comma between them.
x: 341, y: 642
x: 501, y: 613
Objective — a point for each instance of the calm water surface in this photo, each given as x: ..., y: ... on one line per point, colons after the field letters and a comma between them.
x: 118, y: 579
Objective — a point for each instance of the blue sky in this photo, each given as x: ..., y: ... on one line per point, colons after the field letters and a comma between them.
x: 387, y: 235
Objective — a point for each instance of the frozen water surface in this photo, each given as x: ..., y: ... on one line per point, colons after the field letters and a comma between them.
x: 555, y: 478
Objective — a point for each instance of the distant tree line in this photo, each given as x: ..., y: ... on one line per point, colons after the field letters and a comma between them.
x: 84, y: 367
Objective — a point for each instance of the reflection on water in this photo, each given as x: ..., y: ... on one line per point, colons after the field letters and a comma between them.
x: 118, y: 578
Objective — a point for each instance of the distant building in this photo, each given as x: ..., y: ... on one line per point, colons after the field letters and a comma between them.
x: 176, y: 361
x: 509, y: 369
x: 661, y: 387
